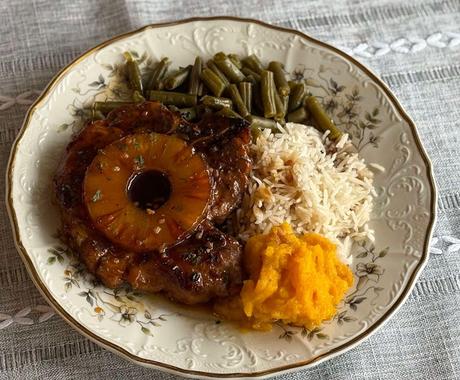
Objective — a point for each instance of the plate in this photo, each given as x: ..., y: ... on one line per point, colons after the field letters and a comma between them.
x: 189, y: 341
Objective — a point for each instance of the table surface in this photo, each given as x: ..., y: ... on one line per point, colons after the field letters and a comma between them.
x: 413, y: 45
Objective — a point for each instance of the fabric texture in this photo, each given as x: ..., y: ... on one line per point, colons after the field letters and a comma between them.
x: 414, y: 46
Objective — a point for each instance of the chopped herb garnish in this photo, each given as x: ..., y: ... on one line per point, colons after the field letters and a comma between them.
x: 97, y: 196
x: 192, y: 258
x: 195, y: 277
x: 139, y: 160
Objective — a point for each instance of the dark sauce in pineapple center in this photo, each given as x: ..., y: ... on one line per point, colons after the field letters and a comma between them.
x: 149, y: 190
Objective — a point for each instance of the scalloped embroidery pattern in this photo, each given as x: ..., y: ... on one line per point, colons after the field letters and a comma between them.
x: 406, y: 45
x: 376, y: 14
x: 27, y: 316
x: 444, y: 244
x: 439, y: 245
x: 26, y: 98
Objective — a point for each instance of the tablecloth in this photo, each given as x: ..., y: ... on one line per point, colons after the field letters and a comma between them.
x: 413, y: 45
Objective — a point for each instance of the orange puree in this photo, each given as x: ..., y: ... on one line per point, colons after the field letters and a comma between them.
x: 298, y: 280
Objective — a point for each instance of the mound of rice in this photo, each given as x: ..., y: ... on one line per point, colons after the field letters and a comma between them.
x: 302, y: 178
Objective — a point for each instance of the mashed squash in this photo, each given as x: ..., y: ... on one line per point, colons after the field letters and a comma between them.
x: 298, y: 280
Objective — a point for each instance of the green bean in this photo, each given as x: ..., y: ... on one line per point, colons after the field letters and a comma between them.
x: 106, y: 107
x: 262, y: 123
x: 267, y: 87
x: 236, y: 60
x: 246, y: 94
x: 177, y: 78
x: 253, y: 63
x: 298, y: 116
x: 215, y: 102
x: 176, y: 98
x: 279, y: 108
x: 297, y: 96
x: 202, y: 90
x: 188, y: 113
x: 248, y: 72
x: 258, y: 98
x: 173, y: 108
x: 228, y: 112
x: 285, y: 100
x: 213, y: 82
x: 158, y: 74
x: 134, y: 74
x: 280, y: 78
x: 322, y: 119
x: 138, y: 97
x: 96, y: 115
x: 249, y: 79
x: 228, y: 68
x: 194, y: 83
x: 212, y: 65
x: 220, y: 55
x: 237, y: 100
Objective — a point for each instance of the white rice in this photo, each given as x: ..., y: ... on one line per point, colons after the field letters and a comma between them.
x: 302, y: 178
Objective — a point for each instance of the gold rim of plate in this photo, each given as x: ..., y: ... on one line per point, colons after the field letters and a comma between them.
x: 170, y: 368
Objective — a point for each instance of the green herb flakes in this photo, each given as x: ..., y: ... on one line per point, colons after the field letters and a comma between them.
x: 139, y: 160
x: 97, y: 196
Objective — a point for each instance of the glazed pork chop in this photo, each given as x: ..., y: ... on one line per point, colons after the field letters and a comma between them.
x: 203, y: 265
x: 224, y: 143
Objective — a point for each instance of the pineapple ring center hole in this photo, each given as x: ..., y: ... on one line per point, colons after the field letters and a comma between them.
x: 149, y: 190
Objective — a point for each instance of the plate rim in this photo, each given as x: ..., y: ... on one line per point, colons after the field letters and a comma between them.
x: 80, y: 328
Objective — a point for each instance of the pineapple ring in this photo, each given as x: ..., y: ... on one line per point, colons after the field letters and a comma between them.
x: 114, y: 212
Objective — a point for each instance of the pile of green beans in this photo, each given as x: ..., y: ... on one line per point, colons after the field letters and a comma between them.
x: 229, y: 86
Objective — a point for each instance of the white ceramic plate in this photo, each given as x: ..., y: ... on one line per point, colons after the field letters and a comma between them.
x: 159, y: 334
